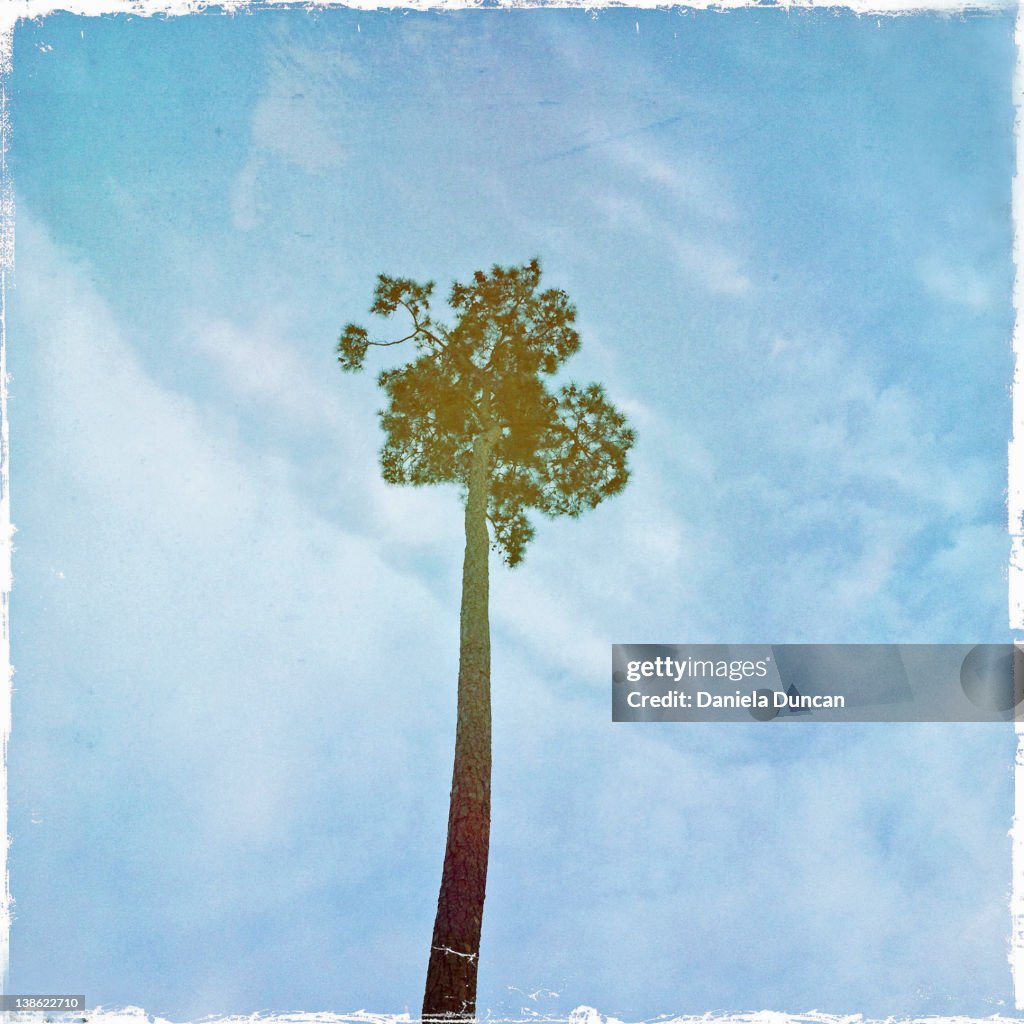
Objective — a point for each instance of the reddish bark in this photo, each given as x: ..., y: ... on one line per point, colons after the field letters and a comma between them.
x: 450, y: 989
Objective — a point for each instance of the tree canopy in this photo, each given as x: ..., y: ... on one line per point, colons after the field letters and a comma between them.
x: 481, y: 379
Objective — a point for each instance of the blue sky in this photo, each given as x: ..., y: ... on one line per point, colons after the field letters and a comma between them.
x: 788, y: 237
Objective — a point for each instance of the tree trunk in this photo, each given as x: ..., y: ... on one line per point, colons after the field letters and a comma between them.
x: 455, y: 948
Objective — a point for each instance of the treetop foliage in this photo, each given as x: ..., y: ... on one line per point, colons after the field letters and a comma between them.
x: 477, y: 385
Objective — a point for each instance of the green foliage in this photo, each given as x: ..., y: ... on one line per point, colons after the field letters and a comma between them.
x: 481, y: 381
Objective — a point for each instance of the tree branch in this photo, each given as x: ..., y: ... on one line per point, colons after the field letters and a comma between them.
x: 419, y: 328
x: 388, y: 344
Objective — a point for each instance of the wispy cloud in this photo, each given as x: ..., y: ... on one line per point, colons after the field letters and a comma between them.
x: 684, y: 179
x: 299, y: 119
x: 698, y: 258
x: 255, y: 360
x: 958, y: 283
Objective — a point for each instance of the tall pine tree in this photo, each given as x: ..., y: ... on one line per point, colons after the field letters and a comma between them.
x: 472, y: 408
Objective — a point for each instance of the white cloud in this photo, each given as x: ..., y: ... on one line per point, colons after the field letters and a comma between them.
x: 824, y: 405
x: 686, y: 180
x: 957, y: 283
x: 679, y: 203
x: 274, y: 383
x: 824, y: 863
x: 299, y: 119
x: 256, y: 361
x: 180, y: 527
x: 856, y: 483
x: 246, y: 204
x: 299, y: 115
x: 698, y: 257
x: 720, y: 270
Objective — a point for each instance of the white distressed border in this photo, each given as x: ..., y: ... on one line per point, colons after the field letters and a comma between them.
x: 13, y: 11
x: 1015, y: 512
x: 6, y: 527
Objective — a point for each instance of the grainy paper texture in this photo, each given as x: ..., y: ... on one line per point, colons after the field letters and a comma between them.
x: 788, y: 235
